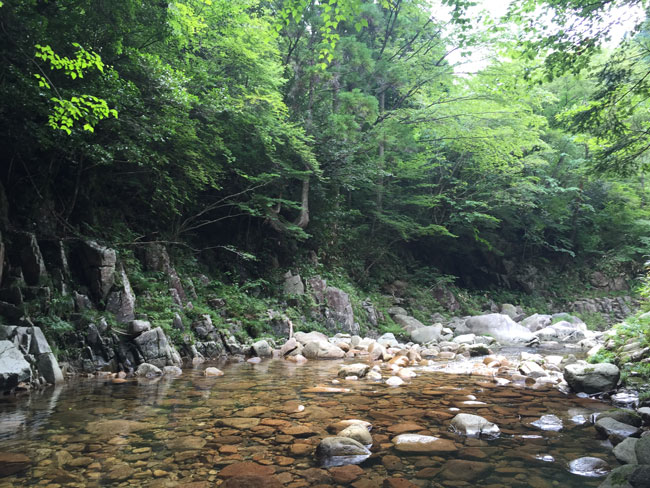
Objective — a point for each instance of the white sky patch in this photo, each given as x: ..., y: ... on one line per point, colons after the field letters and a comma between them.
x: 625, y: 19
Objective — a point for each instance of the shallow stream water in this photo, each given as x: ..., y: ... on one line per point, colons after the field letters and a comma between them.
x: 185, y: 431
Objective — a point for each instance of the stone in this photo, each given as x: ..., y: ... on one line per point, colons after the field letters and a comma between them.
x: 11, y: 463
x: 640, y: 478
x: 137, y: 327
x: 262, y: 349
x: 146, y: 370
x: 359, y: 433
x: 416, y: 443
x: 388, y: 340
x: 625, y: 451
x: 394, y: 381
x: 345, y: 475
x: 424, y: 335
x: 340, y: 446
x: 322, y: 350
x: 121, y: 302
x: 548, y: 422
x: 313, y: 336
x: 614, y: 430
x: 591, y: 378
x: 13, y: 367
x: 339, y: 310
x: 38, y: 344
x: 499, y: 326
x: 26, y: 248
x: 462, y: 470
x: 618, y: 477
x: 251, y: 481
x: 293, y: 285
x: 49, y: 369
x: 289, y: 346
x: 317, y: 285
x: 186, y: 443
x: 642, y: 450
x: 478, y: 350
x: 622, y: 415
x: 172, y: 371
x: 114, y: 427
x: 408, y: 323
x: 473, y: 426
x: 248, y: 468
x: 357, y: 369
x: 98, y: 263
x: 536, y: 322
x: 156, y: 349
x: 592, y: 467
x: 212, y: 371
x: 398, y: 483
x: 510, y: 310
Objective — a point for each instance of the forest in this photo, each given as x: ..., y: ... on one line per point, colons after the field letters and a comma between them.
x: 363, y: 137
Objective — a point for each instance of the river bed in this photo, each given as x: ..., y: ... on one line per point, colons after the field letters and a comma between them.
x: 185, y: 431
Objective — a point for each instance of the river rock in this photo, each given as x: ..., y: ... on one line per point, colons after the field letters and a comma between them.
x: 247, y: 481
x: 13, y: 367
x: 313, y: 336
x: 357, y: 369
x: 155, y: 349
x: 359, y: 433
x: 499, y: 326
x: 473, y: 426
x: 462, y: 470
x: 625, y: 451
x: 591, y: 467
x: 416, y: 443
x: 172, y: 371
x: 211, y: 371
x: 322, y: 350
x: 290, y: 346
x: 262, y: 349
x: 146, y: 370
x: 408, y: 323
x: 548, y: 422
x: 614, y: 430
x: 591, y: 378
x: 644, y: 412
x: 11, y: 463
x: 186, y: 443
x: 642, y: 450
x: 423, y: 335
x: 394, y: 381
x: 618, y: 477
x: 622, y: 415
x: 340, y: 451
x: 536, y: 322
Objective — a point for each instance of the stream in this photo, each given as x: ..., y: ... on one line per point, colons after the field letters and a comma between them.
x: 185, y: 431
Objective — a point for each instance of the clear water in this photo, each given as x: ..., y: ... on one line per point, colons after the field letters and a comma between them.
x: 173, y: 432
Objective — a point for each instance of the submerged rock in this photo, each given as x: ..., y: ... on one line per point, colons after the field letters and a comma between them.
x: 589, y: 466
x: 548, y: 422
x: 473, y: 426
x: 339, y: 451
x: 614, y: 430
x: 359, y: 433
x: 416, y: 443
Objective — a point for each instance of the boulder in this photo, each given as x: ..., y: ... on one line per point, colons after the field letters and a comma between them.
x: 317, y: 285
x: 408, y: 323
x: 614, y: 430
x: 618, y: 477
x: 499, y: 326
x: 591, y: 378
x: 137, y: 327
x: 339, y: 310
x: 424, y: 335
x: 322, y: 350
x: 625, y: 451
x: 293, y: 285
x: 536, y: 322
x: 28, y: 254
x: 262, y: 349
x: 388, y: 340
x: 510, y: 310
x: 473, y: 426
x: 359, y: 433
x: 642, y: 450
x: 305, y: 337
x: 146, y: 370
x: 622, y: 415
x: 121, y: 302
x: 98, y: 263
x: 13, y: 367
x: 341, y: 446
x: 155, y: 349
x: 357, y: 369
x: 49, y: 369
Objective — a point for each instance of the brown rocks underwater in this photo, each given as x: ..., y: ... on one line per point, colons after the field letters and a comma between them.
x: 321, y: 423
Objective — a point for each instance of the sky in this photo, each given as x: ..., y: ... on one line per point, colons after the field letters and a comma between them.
x: 479, y: 59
